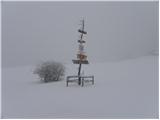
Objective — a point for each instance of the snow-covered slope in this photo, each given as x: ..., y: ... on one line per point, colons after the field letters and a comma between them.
x: 124, y: 89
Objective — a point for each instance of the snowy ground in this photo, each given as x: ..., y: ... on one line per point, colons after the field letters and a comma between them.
x: 124, y: 89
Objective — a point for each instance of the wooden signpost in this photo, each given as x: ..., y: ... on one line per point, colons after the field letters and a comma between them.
x: 81, y: 59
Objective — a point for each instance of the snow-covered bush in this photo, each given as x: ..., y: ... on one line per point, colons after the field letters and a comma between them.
x: 50, y: 71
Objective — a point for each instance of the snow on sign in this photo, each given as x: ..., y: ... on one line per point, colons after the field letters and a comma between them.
x: 81, y: 59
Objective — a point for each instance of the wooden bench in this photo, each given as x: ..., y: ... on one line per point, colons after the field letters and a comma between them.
x: 84, y: 79
x: 73, y: 78
x: 87, y: 79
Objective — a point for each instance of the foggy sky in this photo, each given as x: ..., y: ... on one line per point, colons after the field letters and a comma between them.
x: 40, y: 31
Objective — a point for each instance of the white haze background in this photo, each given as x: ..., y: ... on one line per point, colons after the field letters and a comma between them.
x: 40, y: 31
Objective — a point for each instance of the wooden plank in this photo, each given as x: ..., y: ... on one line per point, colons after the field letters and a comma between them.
x: 82, y: 57
x: 87, y: 76
x: 82, y: 62
x: 72, y: 76
x: 82, y: 31
x: 81, y: 41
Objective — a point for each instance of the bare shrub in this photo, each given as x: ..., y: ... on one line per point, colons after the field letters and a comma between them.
x: 50, y: 71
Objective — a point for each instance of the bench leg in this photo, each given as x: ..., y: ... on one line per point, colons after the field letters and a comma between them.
x: 93, y: 81
x: 67, y: 84
x: 82, y: 82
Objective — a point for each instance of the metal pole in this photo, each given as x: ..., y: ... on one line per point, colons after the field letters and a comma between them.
x: 79, y: 73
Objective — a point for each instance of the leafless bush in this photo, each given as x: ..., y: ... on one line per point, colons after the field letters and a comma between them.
x: 50, y: 71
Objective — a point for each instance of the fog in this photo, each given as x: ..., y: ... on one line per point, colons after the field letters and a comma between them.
x: 38, y: 31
